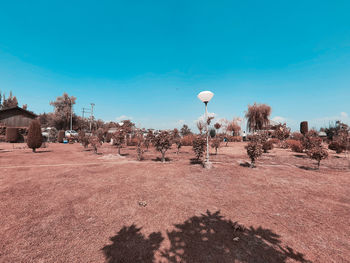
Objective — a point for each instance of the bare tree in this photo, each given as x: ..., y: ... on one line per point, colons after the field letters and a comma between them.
x: 200, y: 126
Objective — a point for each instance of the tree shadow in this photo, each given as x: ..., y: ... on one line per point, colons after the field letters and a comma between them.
x: 307, y: 168
x: 130, y: 245
x: 300, y: 156
x: 196, y: 161
x: 158, y: 159
x: 245, y: 164
x: 211, y: 238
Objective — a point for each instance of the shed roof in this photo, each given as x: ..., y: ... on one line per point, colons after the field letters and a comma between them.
x: 20, y: 109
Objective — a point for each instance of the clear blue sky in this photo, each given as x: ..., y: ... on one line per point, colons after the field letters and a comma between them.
x: 149, y: 59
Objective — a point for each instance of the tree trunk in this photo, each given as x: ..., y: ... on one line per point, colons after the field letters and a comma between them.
x: 318, y: 164
x: 34, y: 150
x: 163, y: 157
x: 216, y: 151
x: 119, y: 150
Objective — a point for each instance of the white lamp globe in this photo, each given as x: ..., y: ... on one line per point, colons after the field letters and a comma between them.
x: 205, y: 96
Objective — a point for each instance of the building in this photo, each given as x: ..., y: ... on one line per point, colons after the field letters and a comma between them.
x: 16, y: 117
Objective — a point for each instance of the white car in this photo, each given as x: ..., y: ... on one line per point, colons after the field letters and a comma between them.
x: 70, y: 133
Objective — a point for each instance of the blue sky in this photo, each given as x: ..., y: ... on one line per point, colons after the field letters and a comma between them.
x: 148, y: 60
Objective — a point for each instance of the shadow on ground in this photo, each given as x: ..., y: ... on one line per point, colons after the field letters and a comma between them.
x: 205, y: 238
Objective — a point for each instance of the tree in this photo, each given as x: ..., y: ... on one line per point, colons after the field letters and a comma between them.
x: 10, y: 102
x: 177, y: 140
x: 198, y: 147
x: 304, y: 127
x: 95, y: 142
x: 185, y: 130
x: 119, y: 139
x: 34, y: 139
x: 200, y: 126
x: 63, y: 106
x: 254, y: 151
x: 162, y: 142
x: 282, y: 132
x: 317, y: 153
x: 217, y: 126
x: 149, y: 138
x: 258, y: 116
x: 140, y: 145
x: 233, y: 127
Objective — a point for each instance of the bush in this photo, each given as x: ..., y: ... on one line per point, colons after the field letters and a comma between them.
x: 95, y: 142
x: 178, y: 143
x: 132, y: 142
x: 235, y: 138
x: 297, y: 136
x: 304, y: 127
x: 267, y: 146
x: 317, y: 153
x: 12, y: 134
x: 216, y: 144
x: 118, y: 139
x: 337, y: 147
x: 60, y: 136
x: 295, y: 146
x: 108, y: 137
x: 254, y: 151
x: 274, y: 141
x: 34, y: 139
x: 198, y: 146
x: 282, y: 132
x: 311, y: 140
x: 187, y: 140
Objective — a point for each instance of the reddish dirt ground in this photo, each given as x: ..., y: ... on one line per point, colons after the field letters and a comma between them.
x: 65, y: 204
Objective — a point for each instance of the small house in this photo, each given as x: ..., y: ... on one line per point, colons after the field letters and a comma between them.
x: 16, y: 117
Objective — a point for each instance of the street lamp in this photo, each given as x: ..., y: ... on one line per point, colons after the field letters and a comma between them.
x: 206, y: 96
x: 71, y: 113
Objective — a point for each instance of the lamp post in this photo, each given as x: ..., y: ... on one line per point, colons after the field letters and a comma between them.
x: 71, y: 113
x: 206, y: 96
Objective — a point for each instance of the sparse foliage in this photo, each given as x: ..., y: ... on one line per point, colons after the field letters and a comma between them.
x: 149, y: 139
x: 282, y: 132
x: 200, y: 126
x: 62, y: 105
x: 185, y: 130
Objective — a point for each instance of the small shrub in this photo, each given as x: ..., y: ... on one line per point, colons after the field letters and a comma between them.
x: 317, y: 153
x: 178, y: 144
x: 267, y: 146
x: 275, y: 141
x: 297, y: 136
x: 187, y: 140
x: 216, y: 144
x: 162, y: 142
x: 337, y: 147
x: 149, y: 139
x: 34, y: 139
x: 254, y: 151
x: 295, y: 145
x: 212, y: 133
x: 60, y: 136
x: 235, y: 138
x: 12, y: 134
x: 198, y: 146
x: 100, y: 134
x: 95, y: 142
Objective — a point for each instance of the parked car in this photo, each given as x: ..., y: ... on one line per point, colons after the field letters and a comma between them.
x: 70, y: 133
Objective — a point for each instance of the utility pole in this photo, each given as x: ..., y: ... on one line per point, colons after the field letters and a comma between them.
x: 91, y: 114
x: 84, y: 110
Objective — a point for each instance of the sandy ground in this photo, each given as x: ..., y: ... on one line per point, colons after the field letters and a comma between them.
x: 66, y: 204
